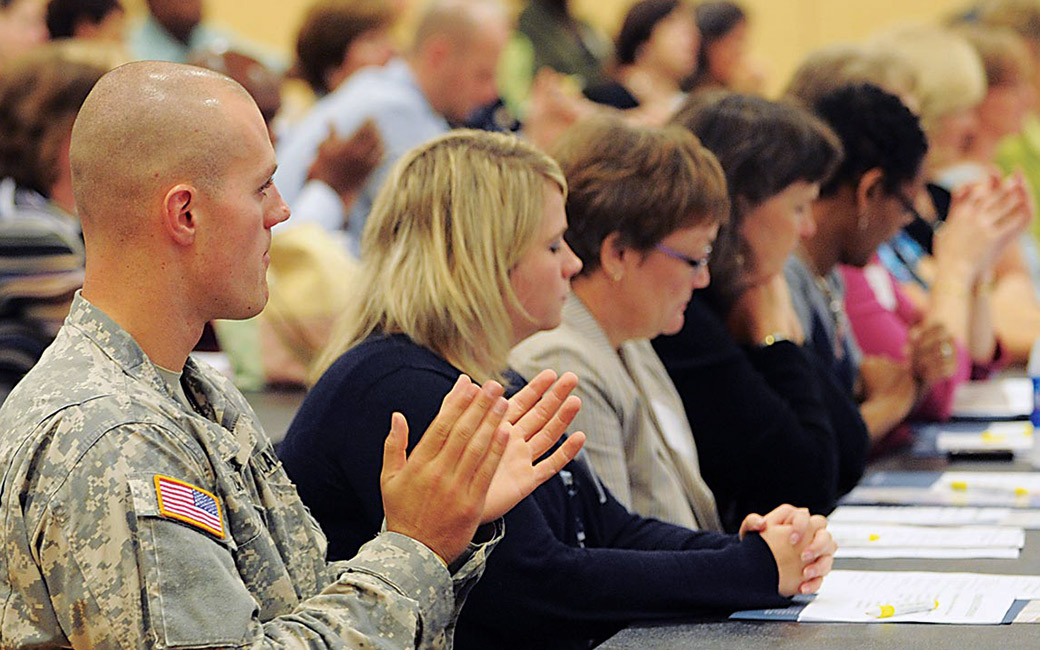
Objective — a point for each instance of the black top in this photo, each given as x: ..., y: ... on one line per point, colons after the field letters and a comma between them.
x: 574, y: 566
x: 771, y: 426
x: 612, y: 93
x: 923, y: 231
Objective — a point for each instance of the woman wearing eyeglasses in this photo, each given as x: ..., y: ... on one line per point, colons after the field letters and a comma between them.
x: 769, y: 425
x: 643, y: 238
x: 645, y: 248
x: 876, y: 339
x: 464, y: 256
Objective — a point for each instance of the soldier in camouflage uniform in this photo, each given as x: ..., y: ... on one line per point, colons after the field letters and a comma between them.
x: 142, y: 507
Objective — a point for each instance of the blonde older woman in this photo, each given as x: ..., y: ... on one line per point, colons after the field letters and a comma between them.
x: 465, y: 257
x: 951, y: 86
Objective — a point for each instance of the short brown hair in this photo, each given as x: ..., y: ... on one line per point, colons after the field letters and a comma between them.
x: 642, y: 183
x: 327, y: 33
x: 40, y: 95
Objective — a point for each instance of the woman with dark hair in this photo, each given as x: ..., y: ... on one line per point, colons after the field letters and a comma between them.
x: 86, y: 19
x: 655, y: 51
x: 549, y: 35
x: 768, y: 425
x: 722, y: 60
x: 643, y: 220
x: 339, y: 37
x: 914, y: 357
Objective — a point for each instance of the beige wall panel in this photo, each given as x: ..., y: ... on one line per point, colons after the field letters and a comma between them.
x: 783, y: 31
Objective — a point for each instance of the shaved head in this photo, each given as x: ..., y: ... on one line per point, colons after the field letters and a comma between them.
x: 172, y: 168
x: 145, y: 127
x: 455, y: 54
x: 458, y: 20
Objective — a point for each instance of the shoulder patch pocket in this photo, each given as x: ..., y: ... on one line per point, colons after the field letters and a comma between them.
x: 194, y: 594
x: 190, y: 504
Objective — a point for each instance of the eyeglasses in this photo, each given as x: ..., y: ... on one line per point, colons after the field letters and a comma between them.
x: 696, y: 264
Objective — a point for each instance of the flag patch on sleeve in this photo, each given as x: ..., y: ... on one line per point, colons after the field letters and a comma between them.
x: 192, y: 505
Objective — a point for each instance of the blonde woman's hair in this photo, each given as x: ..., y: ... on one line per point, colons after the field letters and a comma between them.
x: 836, y: 66
x: 1003, y: 52
x: 1023, y: 16
x: 949, y: 73
x: 453, y: 219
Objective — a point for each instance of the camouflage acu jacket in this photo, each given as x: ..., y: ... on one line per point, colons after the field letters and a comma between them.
x: 129, y: 521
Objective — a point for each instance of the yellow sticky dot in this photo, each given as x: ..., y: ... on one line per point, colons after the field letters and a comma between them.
x: 887, y: 611
x: 875, y: 537
x: 1021, y: 492
x: 958, y: 485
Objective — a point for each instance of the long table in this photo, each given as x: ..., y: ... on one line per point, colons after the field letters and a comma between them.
x: 724, y: 634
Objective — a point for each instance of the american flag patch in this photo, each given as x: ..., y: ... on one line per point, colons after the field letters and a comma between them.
x: 184, y: 502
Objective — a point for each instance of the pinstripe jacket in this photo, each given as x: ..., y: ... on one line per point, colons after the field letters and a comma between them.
x: 639, y: 440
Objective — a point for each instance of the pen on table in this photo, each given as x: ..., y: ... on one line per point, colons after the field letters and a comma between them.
x: 980, y: 454
x: 902, y: 609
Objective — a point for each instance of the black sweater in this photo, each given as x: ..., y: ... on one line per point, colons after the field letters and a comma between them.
x: 771, y: 426
x: 574, y: 565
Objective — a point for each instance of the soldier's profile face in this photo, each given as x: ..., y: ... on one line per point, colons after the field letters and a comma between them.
x: 242, y: 209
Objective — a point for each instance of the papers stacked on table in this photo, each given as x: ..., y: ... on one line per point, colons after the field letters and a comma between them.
x: 936, y: 516
x: 1015, y: 437
x: 874, y: 540
x: 1007, y: 489
x: 1008, y: 398
x: 918, y: 596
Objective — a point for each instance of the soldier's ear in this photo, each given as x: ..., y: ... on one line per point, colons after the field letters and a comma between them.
x: 178, y: 220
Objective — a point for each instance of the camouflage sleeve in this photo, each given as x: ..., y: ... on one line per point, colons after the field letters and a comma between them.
x: 465, y: 571
x: 119, y: 576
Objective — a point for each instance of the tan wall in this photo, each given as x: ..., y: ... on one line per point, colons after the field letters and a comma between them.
x: 783, y: 31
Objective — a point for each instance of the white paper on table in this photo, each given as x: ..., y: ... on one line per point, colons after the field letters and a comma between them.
x: 924, y: 515
x: 929, y: 553
x: 1023, y: 518
x: 936, y: 495
x: 1014, y: 484
x: 1015, y: 436
x: 1009, y: 397
x: 875, y: 535
x: 965, y: 598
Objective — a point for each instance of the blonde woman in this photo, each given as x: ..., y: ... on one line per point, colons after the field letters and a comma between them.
x: 951, y: 86
x: 465, y: 257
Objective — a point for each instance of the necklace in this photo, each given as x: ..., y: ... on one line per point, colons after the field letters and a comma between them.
x: 836, y: 309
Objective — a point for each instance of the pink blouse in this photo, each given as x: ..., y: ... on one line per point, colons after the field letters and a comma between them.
x: 882, y: 316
